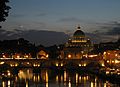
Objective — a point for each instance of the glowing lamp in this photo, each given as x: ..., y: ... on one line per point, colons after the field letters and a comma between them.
x: 27, y: 56
x: 69, y: 56
x: 47, y: 55
x: 107, y: 72
x: 103, y: 64
x: 104, y: 53
x: 61, y: 64
x: 16, y: 64
x: 4, y: 56
x: 18, y: 56
x: 116, y: 61
x: 84, y: 64
x: 80, y: 65
x: 2, y: 63
x: 56, y: 64
x: 116, y: 55
x: 108, y: 61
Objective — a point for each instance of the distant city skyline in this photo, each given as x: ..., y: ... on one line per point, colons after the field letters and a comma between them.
x: 101, y: 17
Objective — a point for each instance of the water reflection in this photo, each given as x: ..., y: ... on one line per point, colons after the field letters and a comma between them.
x: 51, y: 78
x: 25, y: 74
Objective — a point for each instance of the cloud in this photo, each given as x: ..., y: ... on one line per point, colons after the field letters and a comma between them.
x: 17, y: 31
x: 2, y: 30
x: 95, y: 38
x: 108, y: 31
x: 112, y: 28
x: 39, y: 24
x: 70, y: 19
x: 114, y: 31
x: 46, y: 38
x: 4, y: 34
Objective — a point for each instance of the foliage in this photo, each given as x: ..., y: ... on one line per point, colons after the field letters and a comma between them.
x: 4, y: 9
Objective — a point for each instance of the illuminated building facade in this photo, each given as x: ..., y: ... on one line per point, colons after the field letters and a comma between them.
x: 77, y: 46
x: 112, y: 57
x: 21, y: 56
x: 111, y: 54
x: 42, y: 54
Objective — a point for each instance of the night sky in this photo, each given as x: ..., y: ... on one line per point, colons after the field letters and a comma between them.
x: 99, y: 17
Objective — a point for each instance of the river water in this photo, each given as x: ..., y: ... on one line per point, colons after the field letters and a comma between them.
x: 53, y: 78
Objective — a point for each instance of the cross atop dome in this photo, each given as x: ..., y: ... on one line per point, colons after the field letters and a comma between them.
x: 79, y: 32
x: 78, y: 27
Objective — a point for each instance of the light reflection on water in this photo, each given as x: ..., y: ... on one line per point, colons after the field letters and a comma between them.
x: 49, y: 78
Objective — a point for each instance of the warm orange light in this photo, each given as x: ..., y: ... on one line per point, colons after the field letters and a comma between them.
x: 4, y: 56
x: 77, y: 78
x: 112, y: 61
x: 26, y: 56
x: 11, y: 65
x: 36, y: 65
x: 92, y: 56
x: 61, y: 64
x: 104, y: 53
x: 103, y: 64
x: 116, y: 55
x: 107, y: 72
x: 108, y: 53
x: 16, y: 64
x: 8, y: 73
x: 47, y: 55
x: 8, y: 83
x: 69, y: 56
x: 57, y: 78
x: 108, y: 61
x: 28, y: 63
x: 2, y: 63
x: 84, y: 64
x: 18, y: 56
x: 56, y: 64
x: 80, y: 65
x: 3, y: 84
x: 116, y: 61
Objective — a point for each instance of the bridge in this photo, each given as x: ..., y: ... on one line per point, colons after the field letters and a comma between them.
x: 32, y: 62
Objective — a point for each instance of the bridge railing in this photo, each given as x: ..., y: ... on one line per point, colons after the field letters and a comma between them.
x: 16, y: 58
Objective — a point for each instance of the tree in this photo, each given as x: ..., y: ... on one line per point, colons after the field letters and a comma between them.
x: 4, y: 9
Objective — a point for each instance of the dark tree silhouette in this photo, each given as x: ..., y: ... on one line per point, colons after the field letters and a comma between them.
x: 4, y: 9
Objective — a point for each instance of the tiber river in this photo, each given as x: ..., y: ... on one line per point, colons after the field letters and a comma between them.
x: 51, y: 78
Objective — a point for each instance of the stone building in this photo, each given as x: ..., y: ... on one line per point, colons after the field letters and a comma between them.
x: 42, y: 54
x: 77, y: 46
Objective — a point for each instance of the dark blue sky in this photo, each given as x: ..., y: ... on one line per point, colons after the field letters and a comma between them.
x: 94, y: 16
x: 61, y: 15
